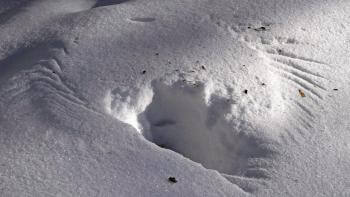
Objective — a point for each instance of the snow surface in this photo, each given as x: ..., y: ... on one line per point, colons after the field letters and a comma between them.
x: 230, y: 97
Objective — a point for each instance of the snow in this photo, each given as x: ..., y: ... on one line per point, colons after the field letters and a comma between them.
x: 229, y: 97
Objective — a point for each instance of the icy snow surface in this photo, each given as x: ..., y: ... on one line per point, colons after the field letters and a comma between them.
x: 229, y: 97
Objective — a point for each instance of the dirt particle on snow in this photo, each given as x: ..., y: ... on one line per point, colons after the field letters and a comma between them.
x: 172, y: 180
x: 143, y: 72
x: 302, y: 94
x: 245, y: 91
x: 260, y: 29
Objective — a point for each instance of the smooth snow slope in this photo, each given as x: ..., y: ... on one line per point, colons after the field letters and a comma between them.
x: 230, y: 97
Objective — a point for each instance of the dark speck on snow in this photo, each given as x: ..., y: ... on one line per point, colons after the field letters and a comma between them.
x: 172, y: 180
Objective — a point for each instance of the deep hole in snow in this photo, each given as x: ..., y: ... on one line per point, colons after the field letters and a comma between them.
x: 189, y: 120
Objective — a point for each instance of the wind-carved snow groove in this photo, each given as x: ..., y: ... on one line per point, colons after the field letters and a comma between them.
x: 46, y: 77
x: 297, y: 57
x: 142, y: 19
x: 43, y: 79
x: 52, y: 79
x: 101, y: 3
x: 188, y: 117
x: 298, y: 73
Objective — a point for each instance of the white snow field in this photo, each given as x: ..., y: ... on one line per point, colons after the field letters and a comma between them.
x: 159, y: 98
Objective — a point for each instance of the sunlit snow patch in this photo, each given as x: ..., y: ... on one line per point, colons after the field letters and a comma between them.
x: 125, y: 104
